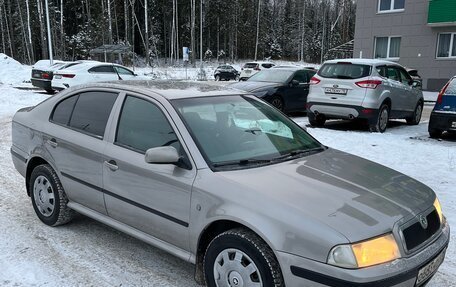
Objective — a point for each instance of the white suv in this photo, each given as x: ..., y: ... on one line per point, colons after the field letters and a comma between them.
x: 251, y: 68
x: 374, y: 90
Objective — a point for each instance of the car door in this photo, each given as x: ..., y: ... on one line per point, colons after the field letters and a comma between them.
x: 153, y: 198
x: 75, y: 142
x: 296, y: 93
x: 124, y: 73
x: 396, y: 88
x: 102, y: 73
x: 410, y: 93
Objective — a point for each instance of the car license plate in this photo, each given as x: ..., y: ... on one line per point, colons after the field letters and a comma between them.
x: 453, y: 125
x: 248, y: 71
x: 58, y: 76
x: 428, y: 270
x: 336, y: 91
x: 36, y: 75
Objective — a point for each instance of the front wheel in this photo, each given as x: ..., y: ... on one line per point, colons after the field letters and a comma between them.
x: 217, y: 78
x: 238, y: 257
x: 416, y: 117
x: 277, y: 103
x: 48, y: 197
x: 381, y: 122
x: 317, y: 120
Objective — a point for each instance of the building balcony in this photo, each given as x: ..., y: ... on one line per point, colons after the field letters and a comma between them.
x: 442, y: 13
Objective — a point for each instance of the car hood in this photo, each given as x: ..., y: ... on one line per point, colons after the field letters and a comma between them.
x: 356, y: 197
x: 251, y: 86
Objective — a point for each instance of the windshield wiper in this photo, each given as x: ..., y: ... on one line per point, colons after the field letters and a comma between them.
x: 241, y: 162
x: 299, y: 152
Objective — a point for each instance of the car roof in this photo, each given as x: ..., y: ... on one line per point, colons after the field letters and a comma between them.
x: 169, y: 90
x: 363, y: 61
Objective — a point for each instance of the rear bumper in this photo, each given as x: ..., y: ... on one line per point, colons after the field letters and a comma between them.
x: 442, y: 121
x: 42, y: 84
x: 340, y: 111
x: 299, y: 271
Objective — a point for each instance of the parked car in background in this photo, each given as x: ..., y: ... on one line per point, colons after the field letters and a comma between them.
x: 226, y: 73
x: 89, y: 72
x: 251, y: 68
x: 285, y: 88
x: 372, y: 90
x: 44, y: 64
x: 42, y: 77
x: 223, y: 180
x: 443, y: 116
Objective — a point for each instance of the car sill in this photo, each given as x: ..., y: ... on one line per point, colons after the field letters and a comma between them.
x: 180, y: 253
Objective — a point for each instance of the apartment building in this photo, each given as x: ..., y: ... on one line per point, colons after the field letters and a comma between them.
x: 419, y: 34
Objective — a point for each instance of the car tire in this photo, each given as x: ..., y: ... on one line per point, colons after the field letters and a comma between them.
x: 217, y: 78
x: 435, y: 133
x: 242, y: 248
x: 48, y: 197
x: 416, y: 117
x: 317, y: 120
x: 237, y: 79
x: 277, y: 102
x: 50, y: 91
x: 381, y: 123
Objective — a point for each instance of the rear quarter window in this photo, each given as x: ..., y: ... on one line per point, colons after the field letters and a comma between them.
x: 344, y: 71
x: 267, y: 66
x: 250, y: 65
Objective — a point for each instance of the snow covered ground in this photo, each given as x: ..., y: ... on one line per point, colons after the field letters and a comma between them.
x: 87, y: 253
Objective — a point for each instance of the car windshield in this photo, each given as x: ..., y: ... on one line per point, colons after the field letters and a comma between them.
x: 344, y: 71
x: 274, y: 75
x: 235, y: 132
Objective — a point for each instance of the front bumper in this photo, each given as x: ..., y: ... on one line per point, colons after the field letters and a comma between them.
x: 442, y: 121
x: 299, y: 271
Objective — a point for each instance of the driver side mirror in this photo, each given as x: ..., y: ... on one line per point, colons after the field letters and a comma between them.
x: 416, y: 84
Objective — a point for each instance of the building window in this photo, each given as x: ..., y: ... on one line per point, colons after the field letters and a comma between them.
x: 390, y: 5
x: 387, y: 47
x: 446, y: 47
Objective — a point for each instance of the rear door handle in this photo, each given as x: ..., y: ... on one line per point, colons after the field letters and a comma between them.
x: 52, y: 142
x: 112, y: 165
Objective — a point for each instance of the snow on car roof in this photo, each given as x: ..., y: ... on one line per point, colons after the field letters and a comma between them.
x: 170, y: 90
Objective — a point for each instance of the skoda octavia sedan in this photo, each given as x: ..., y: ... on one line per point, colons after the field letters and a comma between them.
x: 225, y: 181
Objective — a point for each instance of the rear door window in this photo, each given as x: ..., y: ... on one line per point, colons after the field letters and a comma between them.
x: 301, y: 77
x: 393, y: 74
x: 124, y: 71
x: 91, y: 112
x: 102, y: 69
x: 344, y: 71
x: 250, y: 66
x: 405, y: 77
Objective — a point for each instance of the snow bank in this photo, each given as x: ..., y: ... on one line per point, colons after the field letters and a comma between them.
x: 12, y: 72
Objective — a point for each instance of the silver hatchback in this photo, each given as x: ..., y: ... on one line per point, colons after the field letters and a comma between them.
x: 223, y: 180
x: 372, y: 90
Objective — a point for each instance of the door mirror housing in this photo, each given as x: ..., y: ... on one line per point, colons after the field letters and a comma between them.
x: 416, y: 84
x: 294, y: 83
x: 162, y: 155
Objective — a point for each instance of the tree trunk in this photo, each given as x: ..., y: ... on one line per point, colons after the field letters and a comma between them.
x: 1, y: 29
x: 109, y: 23
x: 146, y: 33
x: 24, y: 38
x: 192, y: 32
x: 126, y: 20
x: 258, y: 29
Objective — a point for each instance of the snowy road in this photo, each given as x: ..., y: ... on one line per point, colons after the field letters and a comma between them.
x: 86, y: 253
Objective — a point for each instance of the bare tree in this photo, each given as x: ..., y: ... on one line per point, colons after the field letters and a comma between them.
x: 1, y: 28
x: 192, y: 30
x: 146, y: 32
x: 257, y: 29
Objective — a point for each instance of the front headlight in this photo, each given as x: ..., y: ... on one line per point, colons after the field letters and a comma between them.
x: 364, y: 254
x: 438, y: 208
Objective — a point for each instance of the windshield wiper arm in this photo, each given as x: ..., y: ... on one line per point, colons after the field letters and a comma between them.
x: 300, y: 152
x: 241, y: 162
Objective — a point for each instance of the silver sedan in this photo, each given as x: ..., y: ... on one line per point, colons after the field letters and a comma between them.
x: 223, y: 180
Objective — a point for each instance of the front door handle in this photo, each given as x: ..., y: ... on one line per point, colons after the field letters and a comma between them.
x: 52, y: 142
x: 112, y: 165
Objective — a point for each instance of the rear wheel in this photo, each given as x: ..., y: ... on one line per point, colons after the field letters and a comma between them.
x: 239, y: 258
x: 381, y: 122
x: 317, y: 120
x: 416, y: 117
x: 217, y: 78
x: 48, y: 197
x: 435, y: 133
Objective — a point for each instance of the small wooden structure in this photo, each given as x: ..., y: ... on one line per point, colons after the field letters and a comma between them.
x: 117, y: 53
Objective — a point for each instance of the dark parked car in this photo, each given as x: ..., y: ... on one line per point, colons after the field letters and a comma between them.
x: 443, y: 116
x: 226, y: 73
x: 42, y: 76
x: 285, y: 88
x: 414, y: 74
